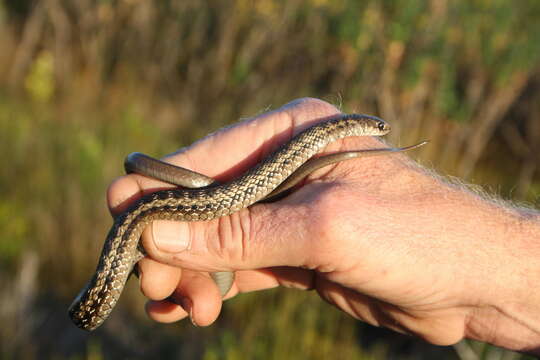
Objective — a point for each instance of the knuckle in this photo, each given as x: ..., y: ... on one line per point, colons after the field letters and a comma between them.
x: 230, y: 242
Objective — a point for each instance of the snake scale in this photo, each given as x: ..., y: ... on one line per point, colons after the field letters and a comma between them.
x: 270, y: 178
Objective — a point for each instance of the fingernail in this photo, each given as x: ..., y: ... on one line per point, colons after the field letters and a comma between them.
x: 187, y: 305
x: 171, y: 236
x: 138, y: 272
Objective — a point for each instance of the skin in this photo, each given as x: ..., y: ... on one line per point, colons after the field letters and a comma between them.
x: 380, y: 238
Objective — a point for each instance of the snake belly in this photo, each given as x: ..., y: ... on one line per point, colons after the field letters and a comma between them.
x: 122, y: 250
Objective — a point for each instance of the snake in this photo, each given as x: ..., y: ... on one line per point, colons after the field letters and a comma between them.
x: 200, y: 198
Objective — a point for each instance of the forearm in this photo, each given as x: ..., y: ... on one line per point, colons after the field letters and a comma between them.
x: 510, y: 315
x: 500, y: 246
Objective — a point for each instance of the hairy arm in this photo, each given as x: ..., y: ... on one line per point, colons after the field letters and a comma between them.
x: 380, y: 238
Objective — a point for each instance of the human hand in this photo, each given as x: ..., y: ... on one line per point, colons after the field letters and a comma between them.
x: 379, y: 238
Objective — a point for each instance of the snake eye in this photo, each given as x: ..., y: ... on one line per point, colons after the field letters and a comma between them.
x: 381, y: 126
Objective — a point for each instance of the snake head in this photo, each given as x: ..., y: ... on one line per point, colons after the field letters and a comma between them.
x: 366, y: 125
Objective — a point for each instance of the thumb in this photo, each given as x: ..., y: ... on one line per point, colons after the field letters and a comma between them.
x: 264, y: 235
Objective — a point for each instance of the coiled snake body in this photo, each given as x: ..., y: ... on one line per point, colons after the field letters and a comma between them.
x: 276, y: 174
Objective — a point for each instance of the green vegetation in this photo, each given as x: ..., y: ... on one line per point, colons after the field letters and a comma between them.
x: 83, y: 83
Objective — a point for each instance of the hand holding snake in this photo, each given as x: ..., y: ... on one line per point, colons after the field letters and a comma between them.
x: 369, y: 235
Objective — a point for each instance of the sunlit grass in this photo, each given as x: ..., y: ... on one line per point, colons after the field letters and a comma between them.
x: 117, y: 77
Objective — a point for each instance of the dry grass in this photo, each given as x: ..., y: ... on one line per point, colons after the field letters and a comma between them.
x: 83, y: 83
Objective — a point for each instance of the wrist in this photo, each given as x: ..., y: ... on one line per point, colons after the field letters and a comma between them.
x: 487, y: 253
x: 510, y: 315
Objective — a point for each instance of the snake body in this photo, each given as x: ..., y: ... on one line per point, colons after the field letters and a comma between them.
x: 121, y: 250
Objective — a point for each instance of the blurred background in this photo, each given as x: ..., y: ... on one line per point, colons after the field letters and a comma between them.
x: 85, y: 82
